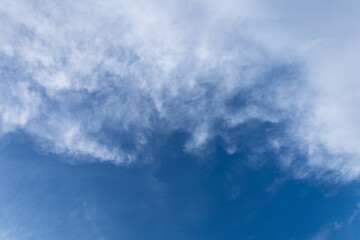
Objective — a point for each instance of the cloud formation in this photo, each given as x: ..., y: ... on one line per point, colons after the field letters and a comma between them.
x: 98, y: 79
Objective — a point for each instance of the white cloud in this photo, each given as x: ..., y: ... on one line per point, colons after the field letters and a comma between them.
x: 140, y: 59
x: 326, y: 126
x: 74, y: 74
x: 355, y: 213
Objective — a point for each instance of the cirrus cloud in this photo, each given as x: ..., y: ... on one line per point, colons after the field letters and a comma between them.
x: 73, y: 75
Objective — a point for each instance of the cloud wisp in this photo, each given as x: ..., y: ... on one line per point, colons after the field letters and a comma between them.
x: 100, y: 79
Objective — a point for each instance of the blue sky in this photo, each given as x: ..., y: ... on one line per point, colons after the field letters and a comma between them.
x: 179, y: 120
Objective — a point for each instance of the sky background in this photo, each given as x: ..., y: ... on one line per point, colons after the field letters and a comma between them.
x: 179, y: 120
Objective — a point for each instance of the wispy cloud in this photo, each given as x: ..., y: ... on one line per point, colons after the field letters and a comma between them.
x: 74, y: 75
x: 129, y: 68
x: 355, y: 213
